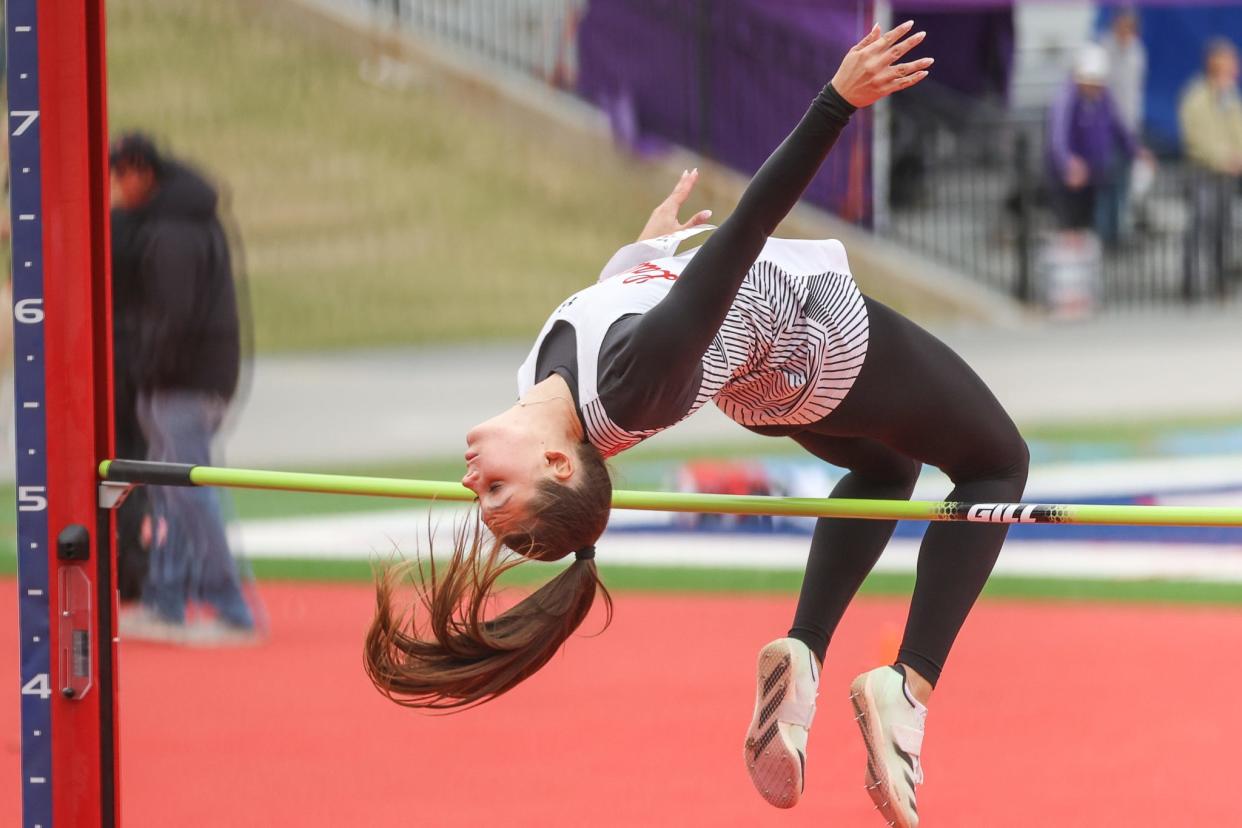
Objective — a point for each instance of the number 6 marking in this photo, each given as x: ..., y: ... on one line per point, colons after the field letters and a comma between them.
x: 28, y: 117
x: 28, y: 311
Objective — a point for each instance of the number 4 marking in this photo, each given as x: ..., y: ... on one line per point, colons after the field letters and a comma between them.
x: 38, y: 686
x: 28, y: 117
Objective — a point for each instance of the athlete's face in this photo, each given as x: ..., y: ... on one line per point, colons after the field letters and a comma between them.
x: 505, y: 463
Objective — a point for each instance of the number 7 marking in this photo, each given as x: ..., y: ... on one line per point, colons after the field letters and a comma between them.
x: 28, y: 117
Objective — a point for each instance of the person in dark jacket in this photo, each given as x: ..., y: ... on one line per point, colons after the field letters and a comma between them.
x: 131, y: 549
x: 178, y: 350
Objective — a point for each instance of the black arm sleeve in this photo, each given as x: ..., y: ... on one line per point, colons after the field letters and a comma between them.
x: 651, y: 380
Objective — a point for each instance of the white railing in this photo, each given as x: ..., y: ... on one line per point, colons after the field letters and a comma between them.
x: 536, y: 37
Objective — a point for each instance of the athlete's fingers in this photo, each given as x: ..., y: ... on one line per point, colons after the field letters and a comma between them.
x: 685, y: 184
x: 868, y: 74
x: 681, y: 187
x: 899, y: 51
x: 906, y: 69
x: 891, y: 36
x: 904, y: 82
x: 868, y: 39
x: 915, y: 78
x: 698, y: 218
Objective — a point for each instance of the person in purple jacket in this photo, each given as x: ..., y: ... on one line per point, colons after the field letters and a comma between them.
x: 1090, y: 150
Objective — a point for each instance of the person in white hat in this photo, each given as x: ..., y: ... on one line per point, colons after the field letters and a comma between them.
x: 1089, y: 149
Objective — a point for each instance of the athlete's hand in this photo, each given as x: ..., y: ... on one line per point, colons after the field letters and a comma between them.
x: 870, y: 70
x: 664, y: 217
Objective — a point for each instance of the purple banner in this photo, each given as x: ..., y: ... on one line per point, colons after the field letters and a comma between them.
x: 727, y: 78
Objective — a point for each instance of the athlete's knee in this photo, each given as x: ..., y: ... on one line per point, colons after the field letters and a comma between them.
x: 1013, y: 458
x: 896, y: 473
x: 1022, y: 462
x: 905, y: 474
x: 1004, y: 457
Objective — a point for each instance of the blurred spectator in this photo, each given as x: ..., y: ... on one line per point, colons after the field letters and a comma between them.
x: 1089, y: 149
x: 178, y: 350
x: 1127, y: 68
x: 1127, y: 83
x: 131, y: 550
x: 1210, y: 117
x: 563, y: 22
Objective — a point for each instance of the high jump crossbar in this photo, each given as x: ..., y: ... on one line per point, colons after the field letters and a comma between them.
x: 119, y: 472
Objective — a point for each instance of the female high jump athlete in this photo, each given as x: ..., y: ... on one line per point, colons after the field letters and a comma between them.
x: 776, y: 333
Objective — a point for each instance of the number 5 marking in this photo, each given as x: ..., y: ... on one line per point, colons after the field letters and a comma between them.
x: 31, y: 499
x: 28, y: 117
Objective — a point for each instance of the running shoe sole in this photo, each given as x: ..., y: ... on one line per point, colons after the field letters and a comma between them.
x: 776, y: 767
x: 880, y: 786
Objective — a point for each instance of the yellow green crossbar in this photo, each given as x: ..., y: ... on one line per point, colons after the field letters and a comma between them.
x: 175, y: 474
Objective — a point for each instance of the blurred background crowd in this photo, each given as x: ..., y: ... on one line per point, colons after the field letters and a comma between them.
x: 1070, y: 155
x: 1074, y: 156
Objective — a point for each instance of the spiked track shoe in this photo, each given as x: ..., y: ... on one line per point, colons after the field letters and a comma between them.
x: 892, y: 730
x: 775, y: 751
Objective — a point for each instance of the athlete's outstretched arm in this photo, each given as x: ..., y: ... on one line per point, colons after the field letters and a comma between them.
x: 684, y: 324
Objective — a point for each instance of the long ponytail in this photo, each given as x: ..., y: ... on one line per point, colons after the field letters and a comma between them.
x: 443, y: 653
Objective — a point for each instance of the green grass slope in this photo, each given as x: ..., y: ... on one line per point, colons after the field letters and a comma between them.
x: 370, y: 216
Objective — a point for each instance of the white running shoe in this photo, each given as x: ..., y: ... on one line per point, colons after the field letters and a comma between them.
x: 891, y: 721
x: 140, y: 623
x: 788, y: 682
x: 212, y: 632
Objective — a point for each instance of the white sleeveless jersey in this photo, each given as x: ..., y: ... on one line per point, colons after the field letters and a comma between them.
x: 789, y: 349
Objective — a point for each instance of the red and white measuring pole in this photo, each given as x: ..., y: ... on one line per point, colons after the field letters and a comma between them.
x: 61, y: 304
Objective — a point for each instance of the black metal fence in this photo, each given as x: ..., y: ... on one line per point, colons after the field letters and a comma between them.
x: 969, y: 187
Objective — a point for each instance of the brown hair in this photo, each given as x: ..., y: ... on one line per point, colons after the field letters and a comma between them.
x: 442, y: 653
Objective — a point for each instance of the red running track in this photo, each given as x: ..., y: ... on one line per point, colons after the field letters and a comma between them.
x: 1050, y: 715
